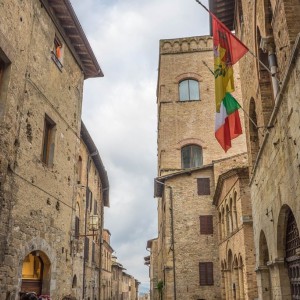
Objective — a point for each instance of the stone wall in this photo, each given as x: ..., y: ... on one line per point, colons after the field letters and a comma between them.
x: 274, y: 159
x: 236, y: 245
x: 37, y: 200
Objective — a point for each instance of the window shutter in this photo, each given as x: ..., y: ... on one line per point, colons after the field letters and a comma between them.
x: 87, y: 198
x: 93, y: 252
x: 86, y: 248
x: 206, y: 225
x: 203, y: 185
x: 202, y: 273
x: 91, y: 201
x: 206, y: 273
x: 76, y: 227
x: 95, y: 207
x: 210, y: 275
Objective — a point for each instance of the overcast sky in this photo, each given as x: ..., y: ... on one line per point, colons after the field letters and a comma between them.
x: 119, y: 110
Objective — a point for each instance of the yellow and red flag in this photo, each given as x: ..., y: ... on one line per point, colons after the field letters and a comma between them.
x: 227, y: 51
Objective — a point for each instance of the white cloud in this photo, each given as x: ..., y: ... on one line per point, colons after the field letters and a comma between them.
x: 119, y: 110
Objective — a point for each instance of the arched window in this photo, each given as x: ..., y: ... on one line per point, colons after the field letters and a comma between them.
x: 74, y: 281
x: 191, y: 156
x: 189, y: 90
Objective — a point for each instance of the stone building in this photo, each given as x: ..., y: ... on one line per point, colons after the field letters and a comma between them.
x: 235, y: 231
x: 134, y: 288
x: 189, y: 163
x: 106, y: 266
x: 124, y: 286
x: 92, y: 196
x: 44, y: 59
x: 152, y: 261
x: 271, y: 30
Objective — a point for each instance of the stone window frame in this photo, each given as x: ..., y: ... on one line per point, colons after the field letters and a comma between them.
x: 48, y: 145
x: 203, y: 186
x: 188, y: 86
x: 206, y: 224
x: 188, y: 76
x: 191, y: 147
x: 206, y: 273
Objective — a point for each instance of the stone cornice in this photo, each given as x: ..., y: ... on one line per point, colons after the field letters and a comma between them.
x: 186, y: 45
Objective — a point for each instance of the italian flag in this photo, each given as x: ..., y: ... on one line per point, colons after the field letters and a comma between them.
x: 227, y: 124
x: 227, y: 51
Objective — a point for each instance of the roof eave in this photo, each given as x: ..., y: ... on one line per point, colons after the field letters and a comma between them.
x: 64, y: 17
x: 97, y: 161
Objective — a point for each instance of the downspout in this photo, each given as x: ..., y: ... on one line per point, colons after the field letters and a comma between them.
x: 172, y: 233
x: 173, y: 242
x: 85, y: 222
x: 101, y: 243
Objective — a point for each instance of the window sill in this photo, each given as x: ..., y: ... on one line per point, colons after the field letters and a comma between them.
x: 184, y: 101
x: 56, y: 61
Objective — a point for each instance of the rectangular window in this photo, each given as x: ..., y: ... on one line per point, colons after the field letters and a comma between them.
x: 2, y: 69
x: 93, y: 252
x: 206, y: 273
x: 87, y: 198
x: 76, y: 227
x: 91, y: 201
x: 203, y: 185
x: 86, y: 248
x: 95, y: 207
x: 57, y: 53
x: 57, y: 48
x: 48, y: 141
x: 206, y: 225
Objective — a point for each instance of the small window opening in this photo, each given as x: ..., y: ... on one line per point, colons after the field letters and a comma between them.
x: 48, y: 142
x: 57, y: 48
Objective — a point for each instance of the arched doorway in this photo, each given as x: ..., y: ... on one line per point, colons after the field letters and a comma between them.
x: 36, y: 273
x: 264, y: 276
x: 293, y: 261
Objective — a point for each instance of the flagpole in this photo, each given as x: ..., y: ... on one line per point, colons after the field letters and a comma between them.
x: 247, y: 115
x: 250, y: 51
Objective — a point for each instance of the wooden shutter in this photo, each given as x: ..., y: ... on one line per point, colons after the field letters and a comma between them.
x: 206, y: 273
x: 77, y: 222
x: 86, y: 248
x: 203, y: 185
x: 206, y: 225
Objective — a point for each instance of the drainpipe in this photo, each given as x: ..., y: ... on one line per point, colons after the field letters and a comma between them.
x: 173, y: 242
x: 268, y: 46
x: 172, y: 233
x: 85, y: 222
x: 101, y: 242
x: 273, y: 68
